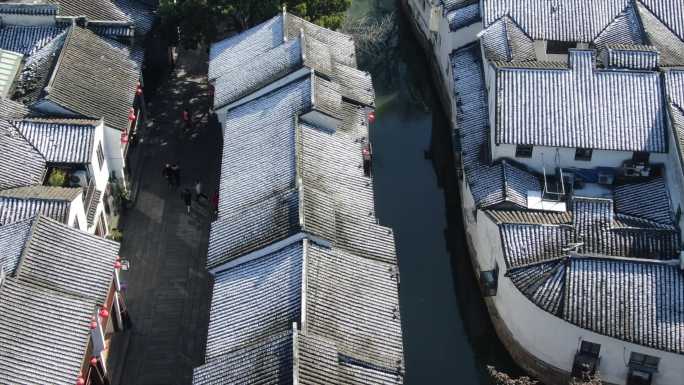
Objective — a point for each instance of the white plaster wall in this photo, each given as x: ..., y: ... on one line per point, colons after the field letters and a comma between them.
x: 101, y: 176
x: 77, y: 211
x: 542, y: 155
x: 113, y: 151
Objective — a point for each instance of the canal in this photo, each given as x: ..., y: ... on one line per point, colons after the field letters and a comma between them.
x: 448, y: 337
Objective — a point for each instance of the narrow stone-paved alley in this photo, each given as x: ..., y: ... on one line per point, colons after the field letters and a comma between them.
x: 168, y: 289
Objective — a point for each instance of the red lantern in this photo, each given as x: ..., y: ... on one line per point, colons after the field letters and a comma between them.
x: 117, y: 265
x: 104, y: 313
x: 118, y: 258
x: 93, y: 325
x: 131, y: 114
x: 80, y: 381
x: 138, y: 91
x: 371, y: 117
x: 124, y: 138
x: 93, y: 361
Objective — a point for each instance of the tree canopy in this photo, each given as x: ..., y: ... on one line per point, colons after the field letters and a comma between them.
x: 191, y: 22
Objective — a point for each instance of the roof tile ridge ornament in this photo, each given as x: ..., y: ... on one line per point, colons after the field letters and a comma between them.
x: 302, y: 44
x: 284, y: 23
x: 298, y: 175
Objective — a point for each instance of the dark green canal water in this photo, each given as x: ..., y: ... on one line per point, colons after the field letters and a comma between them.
x: 448, y: 337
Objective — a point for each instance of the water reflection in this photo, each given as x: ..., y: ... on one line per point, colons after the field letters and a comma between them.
x: 448, y: 336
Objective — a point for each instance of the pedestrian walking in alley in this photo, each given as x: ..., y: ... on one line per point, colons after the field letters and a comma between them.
x: 187, y: 120
x: 176, y: 175
x: 198, y: 191
x: 186, y: 195
x: 215, y: 202
x: 167, y: 173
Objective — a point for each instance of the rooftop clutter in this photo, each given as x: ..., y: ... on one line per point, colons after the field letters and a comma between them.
x: 306, y: 280
x: 609, y: 264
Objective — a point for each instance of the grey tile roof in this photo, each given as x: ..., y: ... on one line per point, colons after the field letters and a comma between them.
x: 660, y: 34
x: 259, y: 163
x: 349, y: 300
x: 544, y: 20
x: 504, y: 41
x: 68, y: 260
x: 530, y: 217
x: 596, y: 229
x: 674, y: 81
x: 653, y: 315
x: 528, y: 244
x: 141, y: 14
x: 464, y: 16
x: 632, y: 121
x: 313, y: 184
x: 647, y: 200
x: 14, y: 209
x: 44, y: 334
x: 42, y: 192
x: 253, y: 228
x: 342, y: 48
x: 9, y: 109
x: 450, y: 5
x: 35, y: 75
x: 93, y: 10
x: 321, y: 363
x: 242, y: 64
x: 23, y: 8
x: 624, y: 29
x: 20, y: 163
x: 243, y: 49
x: 28, y: 39
x: 13, y: 237
x: 267, y: 68
x: 543, y: 283
x: 95, y: 78
x: 60, y: 142
x: 631, y: 57
x: 490, y: 184
x: 354, y: 302
x: 255, y: 300
x: 267, y: 362
x: 670, y: 12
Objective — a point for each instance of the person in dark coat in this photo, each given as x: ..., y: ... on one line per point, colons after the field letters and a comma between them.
x: 186, y: 195
x: 176, y: 175
x: 167, y: 173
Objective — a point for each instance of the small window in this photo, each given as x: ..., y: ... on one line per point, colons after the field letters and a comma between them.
x: 640, y: 157
x: 100, y: 156
x: 586, y: 361
x: 557, y: 47
x: 641, y: 368
x: 490, y: 281
x: 583, y: 154
x: 523, y: 151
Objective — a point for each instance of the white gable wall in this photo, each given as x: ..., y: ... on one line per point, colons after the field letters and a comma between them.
x: 546, y: 156
x: 77, y: 212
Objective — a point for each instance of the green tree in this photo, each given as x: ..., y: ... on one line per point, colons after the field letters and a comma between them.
x: 191, y: 22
